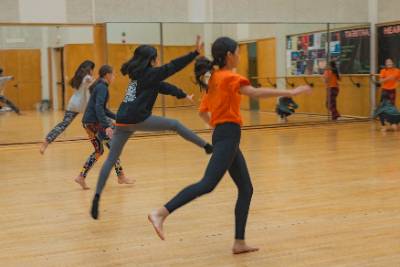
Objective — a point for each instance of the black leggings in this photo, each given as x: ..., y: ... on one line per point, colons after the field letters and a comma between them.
x: 226, y: 157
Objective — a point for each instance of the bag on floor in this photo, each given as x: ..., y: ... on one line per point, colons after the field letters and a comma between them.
x: 286, y: 107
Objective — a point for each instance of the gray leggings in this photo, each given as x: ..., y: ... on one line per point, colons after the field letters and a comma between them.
x: 122, y: 133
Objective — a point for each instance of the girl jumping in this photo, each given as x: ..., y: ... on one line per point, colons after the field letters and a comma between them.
x: 134, y: 113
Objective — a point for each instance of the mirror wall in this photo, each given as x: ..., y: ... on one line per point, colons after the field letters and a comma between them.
x: 271, y: 55
x: 42, y: 59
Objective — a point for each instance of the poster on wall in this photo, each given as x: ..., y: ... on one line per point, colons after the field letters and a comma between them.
x: 306, y: 53
x: 388, y: 44
x: 349, y: 48
x: 355, y: 51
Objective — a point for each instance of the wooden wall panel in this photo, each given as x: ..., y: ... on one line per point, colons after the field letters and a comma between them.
x: 266, y: 67
x: 100, y: 44
x: 183, y: 79
x: 117, y: 55
x: 243, y: 69
x: 29, y: 80
x: 9, y: 63
x: 25, y: 66
x: 352, y: 101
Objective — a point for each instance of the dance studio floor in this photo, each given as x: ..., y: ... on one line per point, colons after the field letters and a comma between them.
x: 324, y: 195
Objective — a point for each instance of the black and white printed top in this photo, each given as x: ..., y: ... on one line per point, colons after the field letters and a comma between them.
x: 141, y: 93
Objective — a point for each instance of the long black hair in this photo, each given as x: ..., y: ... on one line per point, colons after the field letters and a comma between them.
x: 84, y: 69
x: 219, y: 51
x: 103, y: 71
x: 334, y: 69
x: 201, y: 67
x: 141, y: 59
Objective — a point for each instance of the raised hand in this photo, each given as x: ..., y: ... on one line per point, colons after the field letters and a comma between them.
x: 190, y: 97
x: 199, y: 44
x: 109, y: 132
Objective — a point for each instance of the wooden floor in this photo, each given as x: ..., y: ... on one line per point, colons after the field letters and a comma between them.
x: 324, y: 196
x: 36, y: 125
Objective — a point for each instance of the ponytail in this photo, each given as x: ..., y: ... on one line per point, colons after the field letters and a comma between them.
x: 219, y: 50
x: 201, y: 67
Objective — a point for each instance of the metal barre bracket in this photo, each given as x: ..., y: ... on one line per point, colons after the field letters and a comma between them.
x: 373, y: 80
x: 289, y: 83
x: 271, y: 83
x: 354, y: 83
x: 308, y: 83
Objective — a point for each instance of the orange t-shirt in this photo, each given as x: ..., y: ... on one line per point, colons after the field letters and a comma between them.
x: 223, y: 97
x: 391, y: 84
x: 332, y: 79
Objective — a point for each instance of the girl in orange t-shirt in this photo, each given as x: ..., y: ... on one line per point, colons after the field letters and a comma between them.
x: 331, y: 78
x: 389, y: 77
x: 222, y: 101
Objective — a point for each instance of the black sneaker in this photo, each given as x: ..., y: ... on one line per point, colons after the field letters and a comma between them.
x: 95, y: 207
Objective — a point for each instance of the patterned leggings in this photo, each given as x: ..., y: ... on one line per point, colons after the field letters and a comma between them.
x: 98, y: 136
x: 6, y: 101
x: 69, y: 116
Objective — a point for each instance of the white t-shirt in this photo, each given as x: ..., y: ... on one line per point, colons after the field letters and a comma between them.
x: 78, y: 101
x: 3, y: 81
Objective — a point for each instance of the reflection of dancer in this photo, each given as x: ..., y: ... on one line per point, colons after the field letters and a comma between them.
x: 202, y: 73
x: 387, y: 113
x: 77, y: 103
x: 134, y: 113
x: 331, y: 77
x: 97, y: 125
x: 3, y: 99
x: 222, y: 101
x: 389, y: 76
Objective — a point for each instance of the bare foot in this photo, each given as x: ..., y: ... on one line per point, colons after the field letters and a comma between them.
x: 81, y: 181
x: 240, y: 247
x: 123, y: 180
x: 282, y: 120
x: 394, y: 127
x: 43, y: 147
x: 383, y: 129
x: 157, y: 218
